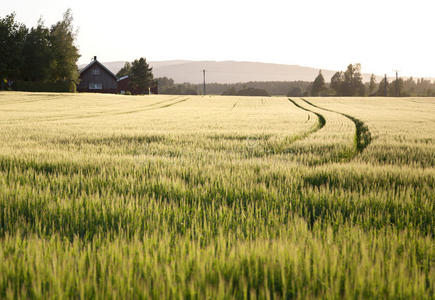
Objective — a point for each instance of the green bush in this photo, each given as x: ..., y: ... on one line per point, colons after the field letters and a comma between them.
x: 72, y: 87
x: 36, y: 86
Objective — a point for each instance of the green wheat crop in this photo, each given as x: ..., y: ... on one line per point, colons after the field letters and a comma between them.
x: 190, y: 197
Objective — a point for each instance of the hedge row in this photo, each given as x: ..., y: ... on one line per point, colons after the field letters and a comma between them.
x: 35, y: 86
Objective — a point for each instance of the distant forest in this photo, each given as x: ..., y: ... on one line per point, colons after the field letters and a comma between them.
x: 344, y: 83
x: 264, y: 88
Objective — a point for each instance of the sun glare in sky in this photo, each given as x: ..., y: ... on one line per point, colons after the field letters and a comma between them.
x: 381, y: 35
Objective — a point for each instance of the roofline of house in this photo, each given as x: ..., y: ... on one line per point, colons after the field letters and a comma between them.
x: 101, y: 65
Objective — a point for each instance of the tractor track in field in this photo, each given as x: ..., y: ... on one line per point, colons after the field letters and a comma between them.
x: 151, y: 106
x: 320, y: 124
x: 363, y: 135
x: 321, y: 121
x: 45, y: 98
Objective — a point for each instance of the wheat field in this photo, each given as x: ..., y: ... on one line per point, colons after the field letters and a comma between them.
x: 213, y: 197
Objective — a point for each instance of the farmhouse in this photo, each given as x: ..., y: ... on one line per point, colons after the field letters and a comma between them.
x: 96, y: 78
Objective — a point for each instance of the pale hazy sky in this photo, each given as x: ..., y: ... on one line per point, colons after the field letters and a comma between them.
x: 382, y: 35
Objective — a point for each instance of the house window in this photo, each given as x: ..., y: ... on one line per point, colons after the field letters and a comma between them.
x: 95, y: 86
x: 96, y: 71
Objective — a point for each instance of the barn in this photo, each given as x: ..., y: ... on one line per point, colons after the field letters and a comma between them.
x: 96, y: 78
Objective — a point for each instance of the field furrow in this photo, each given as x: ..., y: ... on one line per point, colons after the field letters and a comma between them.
x: 363, y: 136
x: 332, y: 142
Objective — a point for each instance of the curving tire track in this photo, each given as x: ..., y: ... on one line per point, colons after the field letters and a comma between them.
x: 123, y: 112
x: 290, y: 140
x: 151, y: 106
x: 320, y: 118
x: 281, y: 148
x: 363, y: 136
x: 43, y: 98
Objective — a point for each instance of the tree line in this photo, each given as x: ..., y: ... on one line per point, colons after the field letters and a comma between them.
x: 346, y: 83
x: 349, y: 83
x: 259, y: 88
x: 39, y: 55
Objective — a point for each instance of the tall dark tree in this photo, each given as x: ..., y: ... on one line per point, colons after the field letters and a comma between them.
x: 12, y: 35
x: 373, y: 85
x: 125, y: 70
x: 383, y: 87
x: 337, y: 83
x: 358, y: 84
x: 37, y: 54
x: 395, y: 89
x: 141, y: 76
x: 318, y: 85
x: 65, y: 53
x: 352, y: 84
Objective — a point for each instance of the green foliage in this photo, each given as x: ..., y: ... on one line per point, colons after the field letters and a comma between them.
x: 278, y: 88
x: 167, y: 86
x: 141, y: 76
x: 46, y: 86
x: 12, y: 35
x: 348, y: 83
x: 125, y: 70
x: 352, y: 81
x: 72, y: 87
x: 395, y: 89
x: 318, y: 85
x: 179, y: 89
x: 65, y: 53
x: 337, y: 83
x: 420, y: 87
x: 373, y: 86
x: 39, y: 54
x: 383, y: 87
x: 281, y: 88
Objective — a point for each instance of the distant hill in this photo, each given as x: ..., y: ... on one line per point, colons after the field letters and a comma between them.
x: 229, y: 71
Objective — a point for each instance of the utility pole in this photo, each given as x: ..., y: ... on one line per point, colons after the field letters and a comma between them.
x: 385, y: 86
x: 203, y: 74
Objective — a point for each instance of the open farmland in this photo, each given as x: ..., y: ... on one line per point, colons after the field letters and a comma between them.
x: 109, y: 196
